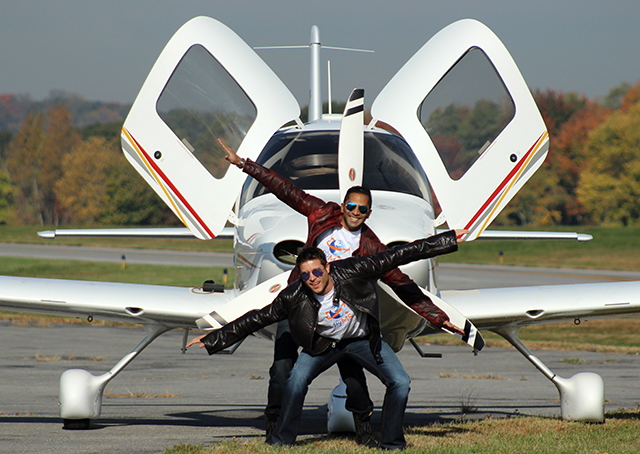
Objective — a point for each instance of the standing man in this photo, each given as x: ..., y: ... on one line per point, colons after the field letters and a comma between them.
x: 310, y: 303
x: 340, y: 231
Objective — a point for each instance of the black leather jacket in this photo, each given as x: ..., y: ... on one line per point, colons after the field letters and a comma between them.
x: 354, y: 280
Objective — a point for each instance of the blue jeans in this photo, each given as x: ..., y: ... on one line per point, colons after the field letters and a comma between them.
x: 307, y: 367
x: 284, y: 358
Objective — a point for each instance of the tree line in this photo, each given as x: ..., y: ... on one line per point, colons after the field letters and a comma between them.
x: 52, y: 173
x: 591, y: 175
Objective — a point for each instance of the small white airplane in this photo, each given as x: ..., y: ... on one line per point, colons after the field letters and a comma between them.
x: 467, y: 128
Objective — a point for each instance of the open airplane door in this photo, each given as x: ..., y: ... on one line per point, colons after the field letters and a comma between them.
x: 208, y: 89
x: 463, y: 106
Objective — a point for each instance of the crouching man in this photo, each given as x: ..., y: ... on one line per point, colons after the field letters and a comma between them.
x: 333, y: 314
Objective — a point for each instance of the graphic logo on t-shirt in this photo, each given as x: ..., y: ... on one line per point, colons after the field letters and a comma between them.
x: 341, y: 314
x: 337, y: 248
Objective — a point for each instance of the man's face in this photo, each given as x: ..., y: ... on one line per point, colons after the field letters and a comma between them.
x: 318, y: 284
x: 353, y: 219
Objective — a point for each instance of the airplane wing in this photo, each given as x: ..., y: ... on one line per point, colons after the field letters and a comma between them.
x: 467, y: 113
x: 172, y: 307
x: 496, y: 308
x: 175, y: 307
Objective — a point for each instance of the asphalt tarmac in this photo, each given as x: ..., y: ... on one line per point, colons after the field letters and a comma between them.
x: 164, y: 397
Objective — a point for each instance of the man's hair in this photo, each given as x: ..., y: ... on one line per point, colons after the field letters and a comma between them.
x: 311, y: 253
x: 358, y: 190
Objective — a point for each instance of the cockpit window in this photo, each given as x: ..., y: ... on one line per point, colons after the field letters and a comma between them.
x: 202, y: 104
x: 466, y: 111
x: 310, y: 160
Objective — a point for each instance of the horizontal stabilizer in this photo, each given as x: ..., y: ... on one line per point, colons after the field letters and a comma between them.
x: 500, y: 235
x: 162, y: 232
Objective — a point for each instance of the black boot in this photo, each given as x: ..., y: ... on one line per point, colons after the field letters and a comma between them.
x: 270, y: 422
x: 363, y: 431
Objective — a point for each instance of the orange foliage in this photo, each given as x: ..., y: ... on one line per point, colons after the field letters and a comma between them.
x: 631, y: 98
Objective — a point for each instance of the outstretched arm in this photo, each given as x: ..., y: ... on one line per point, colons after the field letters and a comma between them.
x: 380, y: 263
x: 237, y: 330
x: 282, y: 188
x: 406, y: 289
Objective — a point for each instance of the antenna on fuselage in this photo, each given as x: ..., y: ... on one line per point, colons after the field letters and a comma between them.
x: 315, y: 85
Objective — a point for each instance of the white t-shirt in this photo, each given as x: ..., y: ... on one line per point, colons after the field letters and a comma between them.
x: 339, y: 321
x: 338, y: 243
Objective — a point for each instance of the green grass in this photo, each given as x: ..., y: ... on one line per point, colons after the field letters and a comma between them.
x: 618, y: 434
x: 185, y: 276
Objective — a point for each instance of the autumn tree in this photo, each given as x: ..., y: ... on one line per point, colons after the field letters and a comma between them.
x: 5, y: 140
x: 130, y: 201
x: 34, y: 161
x: 82, y: 186
x: 615, y: 96
x: 8, y: 193
x: 557, y: 107
x: 24, y: 162
x: 550, y: 196
x: 59, y: 140
x: 631, y: 98
x: 99, y: 186
x: 609, y: 187
x: 567, y: 158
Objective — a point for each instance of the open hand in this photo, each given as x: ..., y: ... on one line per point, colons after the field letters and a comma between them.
x: 460, y: 233
x: 196, y: 340
x: 451, y: 327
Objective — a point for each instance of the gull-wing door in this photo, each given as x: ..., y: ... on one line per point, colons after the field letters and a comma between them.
x: 463, y: 106
x: 207, y: 90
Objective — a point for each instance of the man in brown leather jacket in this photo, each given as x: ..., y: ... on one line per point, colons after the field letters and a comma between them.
x: 310, y: 304
x: 324, y: 218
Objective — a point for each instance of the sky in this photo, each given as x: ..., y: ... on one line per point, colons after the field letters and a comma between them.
x: 103, y: 49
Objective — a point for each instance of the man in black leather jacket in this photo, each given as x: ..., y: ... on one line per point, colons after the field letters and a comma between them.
x: 326, y: 218
x: 351, y: 287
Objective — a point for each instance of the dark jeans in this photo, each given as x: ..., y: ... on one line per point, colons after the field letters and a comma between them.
x: 308, y: 367
x: 285, y: 356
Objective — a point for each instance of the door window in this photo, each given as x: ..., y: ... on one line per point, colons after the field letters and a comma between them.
x: 202, y: 103
x: 466, y: 111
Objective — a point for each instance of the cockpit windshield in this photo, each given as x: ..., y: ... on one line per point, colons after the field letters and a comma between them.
x: 310, y: 160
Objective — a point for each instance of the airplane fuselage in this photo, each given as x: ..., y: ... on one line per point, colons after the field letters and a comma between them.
x: 269, y: 233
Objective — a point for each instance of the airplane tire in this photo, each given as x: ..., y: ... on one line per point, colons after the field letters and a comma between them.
x: 76, y: 424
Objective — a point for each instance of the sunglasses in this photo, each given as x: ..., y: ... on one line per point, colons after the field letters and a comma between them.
x: 361, y: 208
x: 318, y: 272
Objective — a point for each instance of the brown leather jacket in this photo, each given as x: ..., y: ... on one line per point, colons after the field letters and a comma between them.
x: 354, y: 281
x: 322, y: 216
